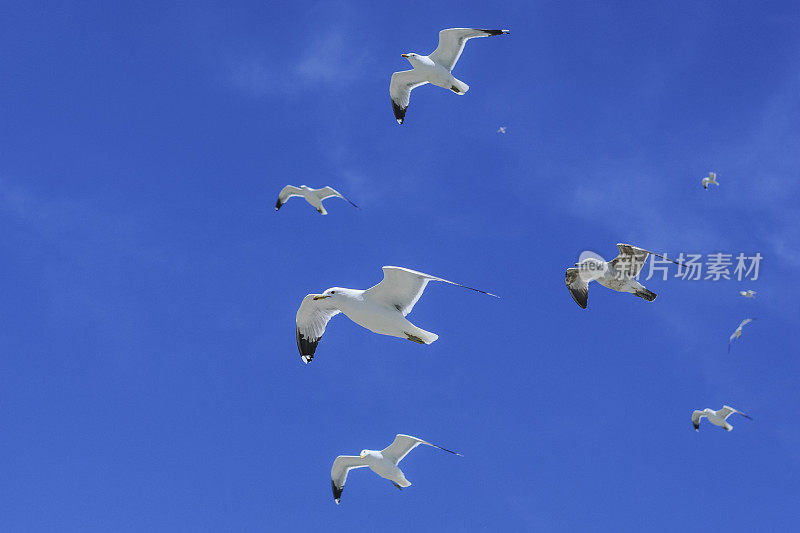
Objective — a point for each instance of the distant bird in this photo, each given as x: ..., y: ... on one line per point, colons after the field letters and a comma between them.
x: 738, y: 333
x: 381, y: 309
x: 748, y: 293
x: 712, y: 178
x: 312, y: 196
x: 435, y: 68
x: 718, y: 418
x: 501, y: 129
x: 384, y: 463
x: 617, y: 274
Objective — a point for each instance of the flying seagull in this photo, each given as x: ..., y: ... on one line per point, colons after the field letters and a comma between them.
x: 312, y: 196
x: 748, y: 293
x: 711, y: 178
x: 435, y: 68
x: 718, y: 418
x: 738, y: 332
x: 617, y: 274
x: 381, y: 309
x: 384, y: 463
x: 501, y: 129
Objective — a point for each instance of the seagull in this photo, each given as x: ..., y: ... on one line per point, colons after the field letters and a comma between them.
x: 738, y: 332
x: 435, y: 68
x: 712, y: 178
x: 617, y: 274
x: 502, y: 129
x: 718, y: 418
x: 748, y: 293
x: 312, y: 196
x: 384, y: 463
x: 381, y: 309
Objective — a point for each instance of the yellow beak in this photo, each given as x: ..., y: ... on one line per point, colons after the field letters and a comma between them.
x: 321, y: 297
x: 404, y: 55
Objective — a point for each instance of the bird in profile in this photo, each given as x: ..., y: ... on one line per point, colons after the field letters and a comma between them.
x: 718, y: 418
x: 738, y: 332
x: 748, y: 293
x: 381, y: 309
x: 384, y: 463
x: 435, y: 68
x: 501, y: 129
x: 312, y: 196
x: 618, y: 274
x: 711, y: 178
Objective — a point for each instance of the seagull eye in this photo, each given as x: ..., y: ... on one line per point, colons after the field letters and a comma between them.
x: 333, y: 292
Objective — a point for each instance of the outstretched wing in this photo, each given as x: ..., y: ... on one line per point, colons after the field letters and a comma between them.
x: 402, y: 287
x: 400, y: 88
x: 745, y: 322
x: 578, y: 287
x: 286, y: 193
x: 727, y: 411
x: 630, y: 260
x: 696, y: 416
x: 452, y: 41
x: 403, y: 444
x: 341, y: 466
x: 328, y: 192
x: 312, y: 317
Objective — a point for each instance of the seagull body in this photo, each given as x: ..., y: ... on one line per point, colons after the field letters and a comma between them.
x: 718, y: 418
x: 435, y: 68
x: 748, y: 293
x: 617, y: 274
x: 502, y: 129
x: 711, y: 178
x: 738, y: 332
x: 381, y: 309
x: 384, y: 463
x: 312, y: 196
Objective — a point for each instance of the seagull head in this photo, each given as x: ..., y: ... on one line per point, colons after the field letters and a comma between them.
x: 335, y: 293
x: 412, y: 58
x: 364, y: 453
x: 591, y: 268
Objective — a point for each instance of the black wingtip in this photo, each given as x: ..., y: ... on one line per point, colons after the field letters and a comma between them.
x: 399, y: 112
x: 306, y: 347
x: 337, y: 492
x: 278, y: 204
x: 496, y: 32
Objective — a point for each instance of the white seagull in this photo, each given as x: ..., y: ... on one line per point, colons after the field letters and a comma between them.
x: 381, y: 309
x: 748, y: 293
x: 384, y: 463
x: 501, y: 129
x: 711, y: 178
x: 718, y: 418
x: 312, y: 196
x: 617, y: 274
x: 435, y: 68
x: 738, y: 332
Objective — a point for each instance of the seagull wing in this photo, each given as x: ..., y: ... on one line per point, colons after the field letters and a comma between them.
x: 452, y: 41
x: 286, y: 193
x: 696, y: 416
x: 630, y: 260
x: 402, y: 287
x: 727, y: 411
x: 578, y: 288
x: 328, y: 192
x: 341, y: 466
x: 403, y: 444
x: 745, y: 322
x: 312, y: 317
x: 400, y: 88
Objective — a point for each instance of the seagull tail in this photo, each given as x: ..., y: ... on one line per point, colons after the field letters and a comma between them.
x: 647, y: 295
x: 459, y: 87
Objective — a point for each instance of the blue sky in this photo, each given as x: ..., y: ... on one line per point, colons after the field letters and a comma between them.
x: 149, y: 377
